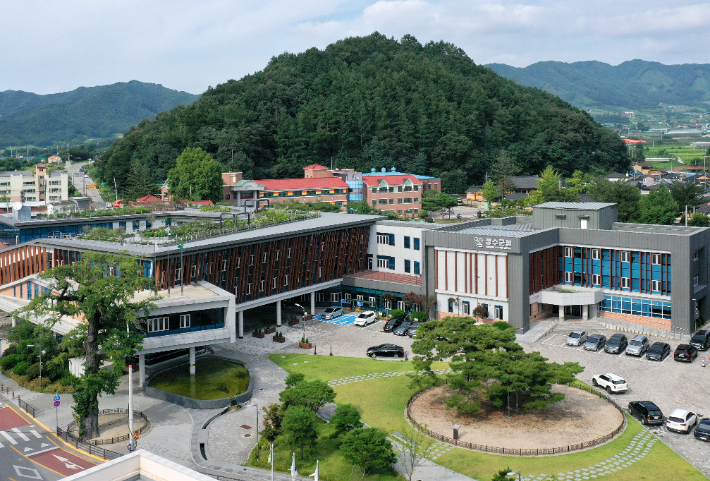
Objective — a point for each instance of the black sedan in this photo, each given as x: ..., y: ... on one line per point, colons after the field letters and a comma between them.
x: 658, y: 351
x: 595, y: 342
x: 685, y: 353
x: 401, y: 330
x: 616, y: 344
x: 386, y: 350
x: 393, y: 322
x: 702, y: 430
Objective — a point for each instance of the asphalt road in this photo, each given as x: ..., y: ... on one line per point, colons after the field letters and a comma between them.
x: 81, y: 180
x: 29, y: 451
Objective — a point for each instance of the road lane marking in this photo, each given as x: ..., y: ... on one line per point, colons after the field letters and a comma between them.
x: 36, y: 434
x: 21, y: 434
x: 8, y: 437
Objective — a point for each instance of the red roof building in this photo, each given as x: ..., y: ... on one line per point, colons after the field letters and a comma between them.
x: 399, y: 193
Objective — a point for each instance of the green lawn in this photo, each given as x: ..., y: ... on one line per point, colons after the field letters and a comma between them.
x: 382, y: 402
x: 213, y: 379
x: 685, y: 152
x: 333, y: 466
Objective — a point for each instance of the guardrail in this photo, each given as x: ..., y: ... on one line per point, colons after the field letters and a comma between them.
x: 116, y: 439
x: 28, y: 408
x: 88, y: 447
x: 517, y: 451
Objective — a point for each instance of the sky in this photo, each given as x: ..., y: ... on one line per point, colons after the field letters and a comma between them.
x: 49, y: 47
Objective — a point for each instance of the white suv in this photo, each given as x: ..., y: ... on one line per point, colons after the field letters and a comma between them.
x: 611, y: 382
x: 365, y: 318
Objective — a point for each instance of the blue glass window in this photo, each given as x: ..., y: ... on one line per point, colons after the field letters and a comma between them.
x: 407, y: 266
x: 416, y: 243
x: 406, y: 242
x: 417, y: 270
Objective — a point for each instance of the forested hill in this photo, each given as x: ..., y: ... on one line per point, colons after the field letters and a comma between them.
x: 370, y: 102
x: 87, y: 112
x: 635, y: 84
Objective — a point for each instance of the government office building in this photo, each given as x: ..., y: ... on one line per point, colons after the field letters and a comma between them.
x: 567, y: 260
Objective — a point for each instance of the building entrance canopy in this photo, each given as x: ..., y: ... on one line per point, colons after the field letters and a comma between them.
x: 570, y: 296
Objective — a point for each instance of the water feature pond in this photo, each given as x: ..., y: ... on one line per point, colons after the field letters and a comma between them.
x: 214, y: 379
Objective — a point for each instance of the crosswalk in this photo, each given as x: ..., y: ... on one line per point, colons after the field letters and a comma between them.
x: 10, y: 437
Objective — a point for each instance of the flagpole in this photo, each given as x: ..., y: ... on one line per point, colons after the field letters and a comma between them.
x: 272, y: 461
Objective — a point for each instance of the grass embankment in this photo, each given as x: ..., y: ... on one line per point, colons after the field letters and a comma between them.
x: 685, y: 152
x: 382, y: 402
x: 213, y: 379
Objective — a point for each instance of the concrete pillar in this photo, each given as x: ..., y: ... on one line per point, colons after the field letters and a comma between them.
x: 231, y: 317
x: 593, y: 311
x: 313, y: 303
x: 141, y: 369
x: 585, y: 312
x: 241, y: 324
x: 562, y: 313
x: 278, y: 313
x: 192, y: 361
x: 14, y: 321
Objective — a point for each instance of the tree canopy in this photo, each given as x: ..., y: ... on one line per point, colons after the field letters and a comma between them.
x: 369, y: 102
x: 197, y: 176
x: 100, y: 290
x: 368, y: 448
x: 487, y: 364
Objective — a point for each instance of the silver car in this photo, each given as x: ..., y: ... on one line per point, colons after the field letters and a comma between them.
x: 332, y: 312
x: 637, y: 346
x: 576, y: 338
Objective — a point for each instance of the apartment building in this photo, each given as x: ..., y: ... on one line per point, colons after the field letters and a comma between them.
x: 397, y: 193
x: 37, y: 186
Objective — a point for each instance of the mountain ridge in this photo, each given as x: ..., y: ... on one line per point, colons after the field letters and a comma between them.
x: 633, y: 84
x: 83, y: 113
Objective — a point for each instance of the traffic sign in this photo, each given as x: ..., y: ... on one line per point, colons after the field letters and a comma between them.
x: 56, y: 397
x: 57, y: 403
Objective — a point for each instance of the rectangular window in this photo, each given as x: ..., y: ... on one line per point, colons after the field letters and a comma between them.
x: 251, y: 263
x: 499, y: 312
x: 374, y: 203
x: 656, y: 286
x: 225, y: 262
x: 695, y: 255
x: 406, y: 242
x: 656, y: 259
x: 596, y: 279
x: 383, y: 239
x: 249, y: 289
x: 158, y: 324
x: 407, y: 266
x: 334, y: 297
x: 184, y: 321
x: 289, y: 252
x: 695, y: 281
x: 595, y: 254
x: 466, y: 307
x: 347, y: 296
x: 383, y: 201
x: 277, y: 253
x: 569, y: 252
x: 388, y: 304
x: 407, y: 200
x: 360, y: 297
x: 417, y: 270
x: 416, y: 244
x: 569, y: 277
x: 400, y: 305
x: 286, y: 280
x: 374, y: 190
x: 391, y: 200
x: 261, y: 286
x: 625, y: 282
x: 399, y: 200
x: 224, y: 265
x: 624, y: 256
x: 373, y: 301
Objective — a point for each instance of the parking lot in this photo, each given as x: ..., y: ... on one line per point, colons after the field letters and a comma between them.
x: 669, y: 384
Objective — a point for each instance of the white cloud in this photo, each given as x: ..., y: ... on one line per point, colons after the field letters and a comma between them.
x: 57, y: 46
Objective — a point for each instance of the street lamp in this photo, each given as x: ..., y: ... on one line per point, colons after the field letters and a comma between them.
x: 257, y: 426
x: 304, y: 318
x: 40, y: 364
x: 520, y: 477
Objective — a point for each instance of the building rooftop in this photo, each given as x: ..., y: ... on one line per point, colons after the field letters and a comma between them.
x: 374, y: 180
x: 295, y: 184
x: 574, y: 205
x: 511, y: 230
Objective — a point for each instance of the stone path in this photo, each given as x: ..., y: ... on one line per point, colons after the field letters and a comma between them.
x: 377, y: 375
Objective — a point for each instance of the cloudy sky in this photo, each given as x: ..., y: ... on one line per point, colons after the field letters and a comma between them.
x: 49, y: 47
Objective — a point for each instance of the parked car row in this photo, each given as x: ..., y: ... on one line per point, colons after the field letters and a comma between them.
x: 401, y: 326
x: 680, y: 420
x: 640, y: 345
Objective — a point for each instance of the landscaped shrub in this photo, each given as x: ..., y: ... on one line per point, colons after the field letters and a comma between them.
x: 8, y: 362
x: 502, y: 325
x: 11, y: 349
x: 66, y: 380
x: 396, y: 312
x: 32, y: 372
x: 418, y: 315
x: 21, y: 368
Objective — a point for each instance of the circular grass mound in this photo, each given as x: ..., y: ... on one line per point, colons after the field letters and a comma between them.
x: 214, y: 379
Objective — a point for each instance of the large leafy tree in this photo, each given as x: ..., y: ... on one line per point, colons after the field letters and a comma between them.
x: 487, y: 363
x: 299, y: 426
x: 310, y: 394
x: 627, y: 197
x: 550, y: 189
x: 197, y: 176
x: 368, y: 448
x: 689, y: 194
x: 100, y: 290
x: 658, y: 207
x: 433, y: 200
